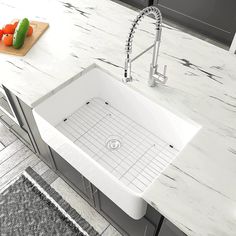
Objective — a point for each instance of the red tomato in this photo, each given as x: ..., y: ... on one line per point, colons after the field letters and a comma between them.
x: 1, y: 34
x: 30, y: 31
x: 9, y: 29
x: 8, y: 39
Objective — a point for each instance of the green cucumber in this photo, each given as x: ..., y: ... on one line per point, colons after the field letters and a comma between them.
x: 20, y: 33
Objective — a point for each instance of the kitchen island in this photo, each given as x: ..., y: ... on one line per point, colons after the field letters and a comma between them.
x: 196, y: 192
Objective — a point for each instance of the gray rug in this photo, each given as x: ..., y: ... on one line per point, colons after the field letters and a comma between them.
x: 32, y: 207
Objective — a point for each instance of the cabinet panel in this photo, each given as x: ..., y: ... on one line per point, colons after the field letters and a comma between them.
x: 214, y: 18
x: 29, y: 124
x: 10, y: 116
x: 168, y: 229
x: 7, y: 106
x: 78, y: 181
x: 138, y: 3
x: 26, y: 127
x: 125, y: 224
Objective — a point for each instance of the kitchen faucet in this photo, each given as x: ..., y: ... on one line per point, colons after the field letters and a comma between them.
x: 155, y: 77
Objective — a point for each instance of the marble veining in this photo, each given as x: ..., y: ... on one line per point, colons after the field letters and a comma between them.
x: 197, y: 192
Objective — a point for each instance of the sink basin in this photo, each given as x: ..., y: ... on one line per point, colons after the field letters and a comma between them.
x: 117, y: 138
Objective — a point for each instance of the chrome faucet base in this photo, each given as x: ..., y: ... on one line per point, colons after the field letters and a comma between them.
x: 126, y: 80
x: 157, y: 77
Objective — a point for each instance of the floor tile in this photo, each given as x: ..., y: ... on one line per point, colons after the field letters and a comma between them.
x: 49, y: 176
x: 6, y: 137
x: 10, y: 150
x: 14, y: 160
x: 10, y: 176
x: 41, y: 168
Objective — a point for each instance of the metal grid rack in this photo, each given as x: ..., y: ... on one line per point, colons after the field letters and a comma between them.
x: 130, y: 152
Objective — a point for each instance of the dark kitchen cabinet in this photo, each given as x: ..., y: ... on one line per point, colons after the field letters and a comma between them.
x: 168, y: 229
x: 213, y: 18
x: 10, y: 116
x: 146, y: 226
x: 138, y: 3
x: 42, y: 149
x: 77, y: 181
x: 21, y: 122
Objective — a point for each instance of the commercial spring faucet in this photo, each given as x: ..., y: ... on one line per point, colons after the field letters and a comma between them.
x: 155, y: 77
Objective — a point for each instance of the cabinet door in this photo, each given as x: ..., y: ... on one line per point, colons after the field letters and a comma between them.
x: 73, y: 177
x: 26, y: 127
x: 168, y: 229
x: 214, y: 18
x: 125, y: 224
x: 29, y: 124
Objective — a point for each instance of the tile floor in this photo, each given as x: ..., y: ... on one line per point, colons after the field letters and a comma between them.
x: 15, y: 157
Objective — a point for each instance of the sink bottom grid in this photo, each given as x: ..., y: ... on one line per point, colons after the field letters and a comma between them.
x: 128, y: 151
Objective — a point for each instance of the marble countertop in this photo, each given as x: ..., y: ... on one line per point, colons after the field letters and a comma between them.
x: 197, y: 191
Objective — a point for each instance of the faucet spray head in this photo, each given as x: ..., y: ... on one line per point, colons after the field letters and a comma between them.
x: 127, y: 73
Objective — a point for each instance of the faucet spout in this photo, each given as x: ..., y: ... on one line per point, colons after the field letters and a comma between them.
x: 154, y: 76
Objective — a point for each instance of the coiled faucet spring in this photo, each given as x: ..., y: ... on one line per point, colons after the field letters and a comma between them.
x: 154, y: 76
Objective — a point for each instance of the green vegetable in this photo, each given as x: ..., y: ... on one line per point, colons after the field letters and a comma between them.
x: 20, y: 33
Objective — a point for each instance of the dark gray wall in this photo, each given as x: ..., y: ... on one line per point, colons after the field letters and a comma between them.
x: 214, y: 18
x: 139, y: 3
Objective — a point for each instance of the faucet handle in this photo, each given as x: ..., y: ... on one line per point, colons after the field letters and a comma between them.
x: 165, y: 69
x: 161, y: 78
x: 165, y: 78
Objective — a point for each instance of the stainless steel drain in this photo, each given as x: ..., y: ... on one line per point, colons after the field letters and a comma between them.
x: 113, y: 143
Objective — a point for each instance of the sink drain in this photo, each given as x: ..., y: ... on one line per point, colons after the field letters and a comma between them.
x: 113, y: 143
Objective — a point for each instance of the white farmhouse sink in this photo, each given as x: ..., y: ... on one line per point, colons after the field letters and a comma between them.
x: 117, y: 138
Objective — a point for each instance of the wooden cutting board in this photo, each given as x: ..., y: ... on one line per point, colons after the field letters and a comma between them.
x: 38, y: 27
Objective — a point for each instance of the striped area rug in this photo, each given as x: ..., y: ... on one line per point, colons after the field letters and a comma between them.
x: 30, y: 206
